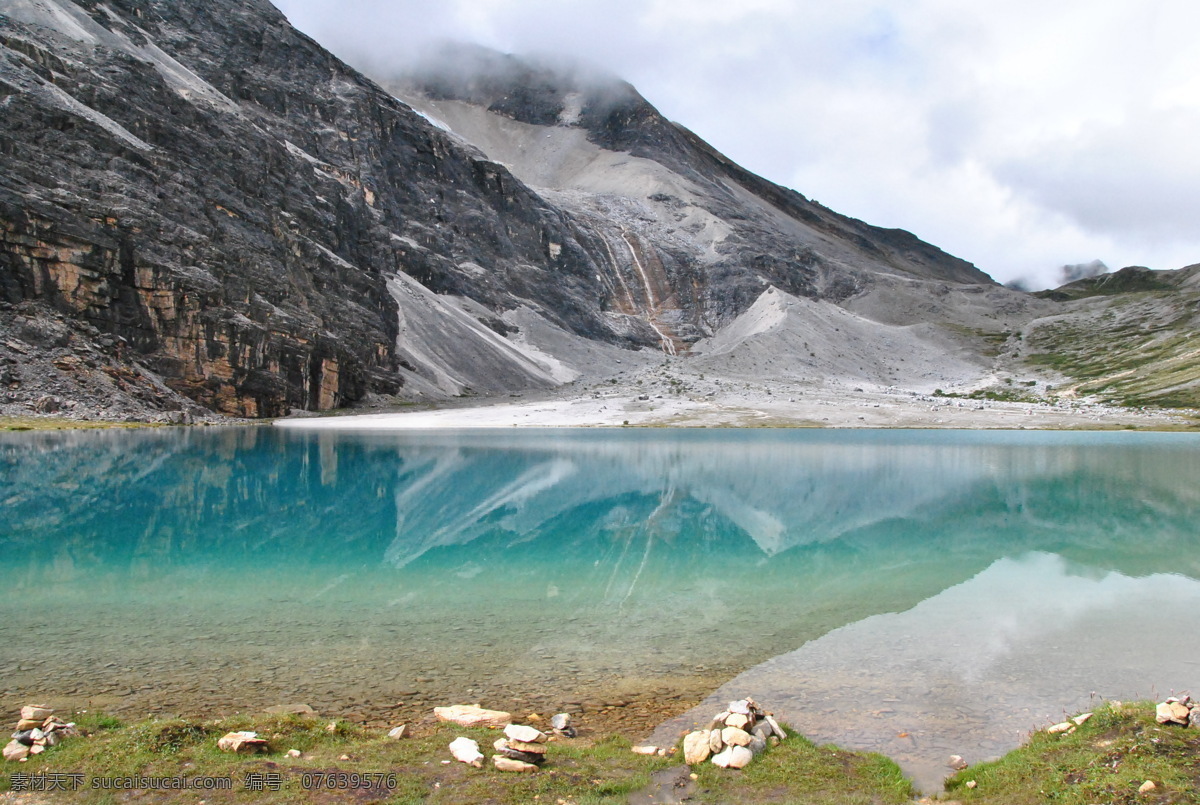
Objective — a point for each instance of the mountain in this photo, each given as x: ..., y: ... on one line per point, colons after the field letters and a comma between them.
x: 201, y: 210
x: 1131, y: 337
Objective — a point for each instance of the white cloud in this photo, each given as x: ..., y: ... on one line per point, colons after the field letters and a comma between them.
x: 1020, y: 136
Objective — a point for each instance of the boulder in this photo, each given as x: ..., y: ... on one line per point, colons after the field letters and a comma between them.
x: 715, y: 742
x: 732, y: 736
x: 695, y: 747
x: 733, y: 757
x: 738, y: 720
x: 522, y: 746
x: 472, y: 715
x: 28, y: 724
x: 467, y: 751
x: 242, y: 743
x: 1171, y: 713
x: 511, y: 764
x: 502, y: 745
x: 14, y: 751
x: 740, y: 707
x: 525, y: 734
x: 1180, y: 712
x: 36, y: 712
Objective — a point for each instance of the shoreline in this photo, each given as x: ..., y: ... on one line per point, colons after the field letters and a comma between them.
x: 829, y: 406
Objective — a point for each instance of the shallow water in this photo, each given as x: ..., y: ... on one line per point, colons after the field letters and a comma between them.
x: 956, y: 573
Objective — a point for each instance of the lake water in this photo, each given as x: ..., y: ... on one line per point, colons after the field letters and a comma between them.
x: 913, y: 592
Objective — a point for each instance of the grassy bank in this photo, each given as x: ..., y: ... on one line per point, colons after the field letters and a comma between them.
x: 352, y: 764
x: 1108, y: 759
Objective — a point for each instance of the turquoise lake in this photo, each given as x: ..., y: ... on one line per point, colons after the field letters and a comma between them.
x: 913, y: 592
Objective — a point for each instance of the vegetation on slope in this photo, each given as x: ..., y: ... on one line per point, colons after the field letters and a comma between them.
x: 1137, y: 342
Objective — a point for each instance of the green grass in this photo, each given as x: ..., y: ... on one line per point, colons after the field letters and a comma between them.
x: 1104, y: 761
x: 1124, y: 358
x: 798, y: 770
x: 578, y: 771
x: 57, y: 423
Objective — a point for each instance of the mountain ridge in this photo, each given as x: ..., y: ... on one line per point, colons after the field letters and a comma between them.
x: 203, y: 210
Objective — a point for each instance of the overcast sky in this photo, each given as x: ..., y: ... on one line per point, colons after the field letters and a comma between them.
x: 1019, y: 135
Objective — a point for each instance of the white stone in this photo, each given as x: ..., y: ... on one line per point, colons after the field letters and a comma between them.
x: 1081, y: 718
x: 775, y: 728
x: 512, y: 764
x: 472, y: 715
x: 1147, y: 787
x: 529, y: 735
x: 15, y: 751
x: 396, y: 733
x: 645, y: 750
x: 522, y: 746
x: 733, y: 757
x: 1065, y: 726
x: 36, y: 712
x: 741, y: 707
x: 971, y: 783
x: 243, y: 742
x: 956, y: 762
x: 467, y: 751
x: 715, y: 742
x: 293, y: 753
x: 732, y: 736
x: 737, y: 720
x: 695, y: 747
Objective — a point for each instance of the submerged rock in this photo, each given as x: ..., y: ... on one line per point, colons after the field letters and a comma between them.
x: 291, y: 709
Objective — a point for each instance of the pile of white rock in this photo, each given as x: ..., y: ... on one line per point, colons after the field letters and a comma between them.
x: 1178, y: 710
x: 735, y: 736
x: 522, y: 749
x: 37, y: 730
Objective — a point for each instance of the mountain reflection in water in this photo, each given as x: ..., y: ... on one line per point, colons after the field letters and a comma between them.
x: 609, y: 560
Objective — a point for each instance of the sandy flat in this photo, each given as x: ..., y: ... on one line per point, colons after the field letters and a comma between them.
x: 764, y: 405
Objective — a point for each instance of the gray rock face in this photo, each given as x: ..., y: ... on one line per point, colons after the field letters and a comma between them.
x: 209, y: 187
x: 212, y: 210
